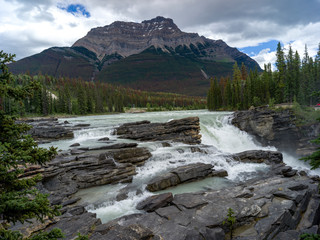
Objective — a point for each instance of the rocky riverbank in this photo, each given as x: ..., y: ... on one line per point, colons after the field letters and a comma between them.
x: 277, y: 128
x: 279, y: 203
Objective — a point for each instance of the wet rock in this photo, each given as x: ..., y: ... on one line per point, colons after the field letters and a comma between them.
x: 183, y: 130
x: 123, y: 193
x: 193, y: 172
x: 50, y: 132
x: 81, y: 125
x: 75, y: 145
x: 290, y: 173
x: 116, y: 146
x: 219, y: 173
x: 187, y: 173
x: 152, y: 203
x: 162, y: 182
x: 104, y: 139
x: 259, y: 156
x: 63, y: 176
x: 277, y: 128
x: 166, y: 144
x: 135, y: 155
x: 264, y: 209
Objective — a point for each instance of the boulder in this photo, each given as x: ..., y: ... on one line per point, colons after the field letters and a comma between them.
x: 187, y: 173
x: 75, y: 145
x: 192, y: 172
x: 162, y: 182
x: 50, y: 132
x: 259, y: 156
x: 184, y: 130
x: 152, y: 203
x: 104, y: 139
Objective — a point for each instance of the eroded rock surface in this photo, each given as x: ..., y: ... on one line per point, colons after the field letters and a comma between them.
x: 187, y: 173
x: 277, y: 128
x: 259, y: 156
x: 184, y: 130
x: 263, y: 210
x: 64, y: 175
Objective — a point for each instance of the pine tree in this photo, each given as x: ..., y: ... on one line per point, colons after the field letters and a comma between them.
x: 289, y: 79
x: 19, y: 200
x: 281, y: 65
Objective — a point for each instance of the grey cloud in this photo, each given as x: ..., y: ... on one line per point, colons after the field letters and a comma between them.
x: 25, y: 7
x: 23, y: 46
x: 189, y: 13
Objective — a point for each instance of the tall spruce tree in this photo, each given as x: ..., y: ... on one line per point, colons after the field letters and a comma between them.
x: 281, y: 65
x: 19, y: 200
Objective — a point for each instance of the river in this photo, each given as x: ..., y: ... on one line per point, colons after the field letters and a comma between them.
x: 219, y: 139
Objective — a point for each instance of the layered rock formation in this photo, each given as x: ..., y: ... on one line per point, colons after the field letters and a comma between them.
x: 65, y: 175
x: 267, y: 209
x: 128, y: 38
x: 184, y: 130
x: 277, y: 128
x: 278, y: 204
x: 183, y: 174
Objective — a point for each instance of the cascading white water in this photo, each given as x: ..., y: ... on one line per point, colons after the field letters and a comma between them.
x: 218, y: 135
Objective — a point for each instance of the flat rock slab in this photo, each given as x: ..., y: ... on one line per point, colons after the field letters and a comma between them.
x: 187, y: 173
x: 259, y: 156
x: 184, y: 130
x: 152, y: 203
x: 265, y: 209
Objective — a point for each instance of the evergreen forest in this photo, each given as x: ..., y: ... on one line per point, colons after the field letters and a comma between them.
x: 295, y: 80
x: 78, y: 97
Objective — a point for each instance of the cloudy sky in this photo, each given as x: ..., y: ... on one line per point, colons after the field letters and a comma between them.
x: 253, y: 26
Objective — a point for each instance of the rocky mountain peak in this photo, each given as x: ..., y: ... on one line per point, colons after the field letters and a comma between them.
x: 127, y: 38
x: 160, y: 23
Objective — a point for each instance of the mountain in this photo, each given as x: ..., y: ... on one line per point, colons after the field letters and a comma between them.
x: 154, y: 55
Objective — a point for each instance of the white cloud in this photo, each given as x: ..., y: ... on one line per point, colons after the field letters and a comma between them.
x: 265, y: 56
x: 30, y: 26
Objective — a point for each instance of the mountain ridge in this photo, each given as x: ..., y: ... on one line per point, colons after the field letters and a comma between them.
x: 118, y: 52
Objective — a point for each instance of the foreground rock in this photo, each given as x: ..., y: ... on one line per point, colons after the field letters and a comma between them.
x: 277, y: 128
x: 184, y: 130
x: 274, y: 207
x: 63, y: 176
x: 68, y: 173
x: 73, y: 220
x: 154, y: 202
x: 183, y: 174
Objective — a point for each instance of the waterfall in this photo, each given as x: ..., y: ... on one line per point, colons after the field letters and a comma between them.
x: 219, y: 140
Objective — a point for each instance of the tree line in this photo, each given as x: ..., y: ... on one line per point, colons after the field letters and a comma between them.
x: 295, y: 79
x: 78, y: 97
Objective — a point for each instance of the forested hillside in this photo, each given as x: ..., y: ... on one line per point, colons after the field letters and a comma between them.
x: 295, y: 79
x: 75, y: 96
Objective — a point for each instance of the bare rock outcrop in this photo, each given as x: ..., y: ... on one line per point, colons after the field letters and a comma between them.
x: 266, y: 209
x: 184, y: 130
x: 277, y: 128
x: 63, y: 176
